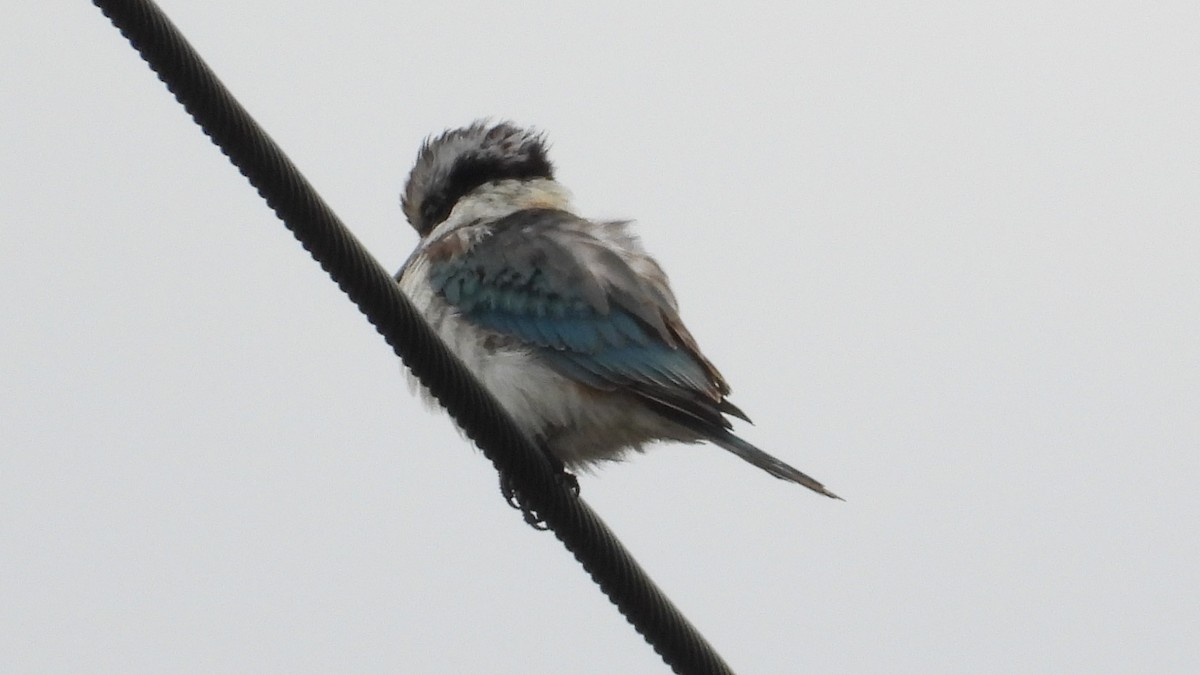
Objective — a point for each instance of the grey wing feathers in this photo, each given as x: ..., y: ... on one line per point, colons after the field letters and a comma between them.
x: 565, y: 285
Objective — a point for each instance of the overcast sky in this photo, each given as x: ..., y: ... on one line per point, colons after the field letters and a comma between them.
x: 947, y: 254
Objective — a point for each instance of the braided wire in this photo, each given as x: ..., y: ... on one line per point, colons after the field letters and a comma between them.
x: 370, y: 287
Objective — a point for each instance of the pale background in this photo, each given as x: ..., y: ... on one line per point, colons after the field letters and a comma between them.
x: 947, y: 254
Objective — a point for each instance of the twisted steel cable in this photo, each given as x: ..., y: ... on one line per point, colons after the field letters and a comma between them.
x: 372, y: 289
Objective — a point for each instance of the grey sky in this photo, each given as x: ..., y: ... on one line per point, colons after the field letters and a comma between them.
x: 947, y: 255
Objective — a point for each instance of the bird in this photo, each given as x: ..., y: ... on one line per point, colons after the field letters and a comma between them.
x: 568, y: 321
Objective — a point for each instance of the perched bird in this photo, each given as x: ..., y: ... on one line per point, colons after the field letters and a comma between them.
x: 567, y: 321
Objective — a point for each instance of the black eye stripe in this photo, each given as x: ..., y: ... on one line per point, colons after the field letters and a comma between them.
x: 470, y: 172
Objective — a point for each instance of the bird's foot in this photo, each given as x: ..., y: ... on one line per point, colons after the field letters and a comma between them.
x: 569, y: 481
x: 517, y: 501
x: 567, y: 478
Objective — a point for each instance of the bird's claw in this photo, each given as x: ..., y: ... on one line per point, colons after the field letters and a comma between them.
x: 531, y: 516
x: 516, y: 501
x: 571, y: 482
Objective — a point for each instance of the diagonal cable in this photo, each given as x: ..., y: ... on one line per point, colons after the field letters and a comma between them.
x: 371, y: 288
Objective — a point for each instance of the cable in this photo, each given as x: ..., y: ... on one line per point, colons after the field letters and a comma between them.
x: 371, y: 288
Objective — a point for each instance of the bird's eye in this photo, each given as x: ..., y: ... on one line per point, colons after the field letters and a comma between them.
x: 433, y: 211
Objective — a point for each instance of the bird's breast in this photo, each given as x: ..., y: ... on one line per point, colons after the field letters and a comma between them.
x: 528, y: 389
x: 577, y: 423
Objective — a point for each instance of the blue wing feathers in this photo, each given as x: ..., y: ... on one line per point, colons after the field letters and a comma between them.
x: 610, y: 334
x: 542, y: 280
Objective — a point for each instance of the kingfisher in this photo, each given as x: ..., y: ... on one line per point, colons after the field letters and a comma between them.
x: 567, y: 321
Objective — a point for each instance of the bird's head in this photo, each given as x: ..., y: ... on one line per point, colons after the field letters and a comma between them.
x: 459, y: 161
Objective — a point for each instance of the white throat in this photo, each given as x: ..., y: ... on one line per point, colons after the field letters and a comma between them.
x: 501, y: 198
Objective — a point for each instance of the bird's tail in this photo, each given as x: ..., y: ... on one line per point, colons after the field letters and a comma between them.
x: 768, y: 463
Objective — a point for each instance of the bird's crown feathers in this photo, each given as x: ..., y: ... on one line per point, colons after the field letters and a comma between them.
x: 453, y: 164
